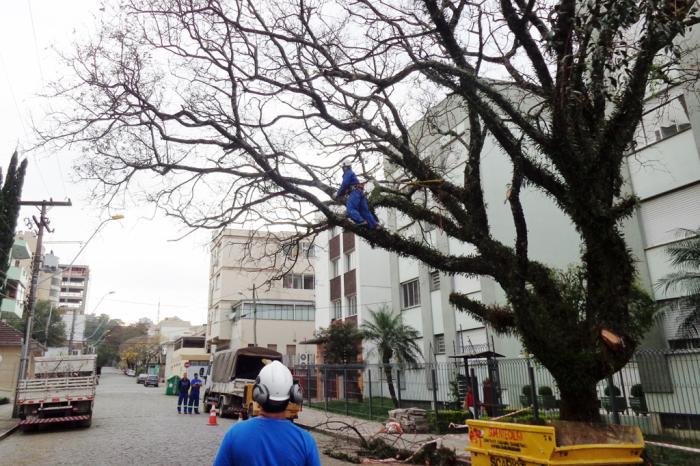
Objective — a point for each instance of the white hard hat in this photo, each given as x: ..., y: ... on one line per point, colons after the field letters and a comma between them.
x: 277, y: 380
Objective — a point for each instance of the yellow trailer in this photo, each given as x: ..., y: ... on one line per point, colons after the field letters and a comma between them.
x: 253, y: 408
x: 494, y: 443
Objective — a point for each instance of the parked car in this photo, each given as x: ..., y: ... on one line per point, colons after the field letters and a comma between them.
x: 151, y: 381
x: 141, y: 378
x: 131, y: 372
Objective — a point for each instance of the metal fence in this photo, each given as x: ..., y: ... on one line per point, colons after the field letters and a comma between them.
x: 659, y: 391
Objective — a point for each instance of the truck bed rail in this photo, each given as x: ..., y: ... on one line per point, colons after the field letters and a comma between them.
x: 60, y: 389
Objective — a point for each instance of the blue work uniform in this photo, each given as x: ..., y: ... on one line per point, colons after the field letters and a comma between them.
x: 349, y: 180
x: 183, y: 387
x: 358, y: 209
x: 195, y: 384
x: 263, y: 441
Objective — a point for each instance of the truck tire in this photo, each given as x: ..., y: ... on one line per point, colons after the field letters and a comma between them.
x: 207, y: 404
x: 27, y: 428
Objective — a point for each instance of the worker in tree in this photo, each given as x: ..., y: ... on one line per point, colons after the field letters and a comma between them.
x: 356, y: 203
x: 183, y: 389
x: 349, y: 180
x: 195, y: 385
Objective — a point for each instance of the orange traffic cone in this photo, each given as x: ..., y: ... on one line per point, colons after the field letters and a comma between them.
x: 212, y: 416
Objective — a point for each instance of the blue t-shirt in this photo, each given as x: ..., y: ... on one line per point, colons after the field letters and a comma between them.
x: 267, y: 442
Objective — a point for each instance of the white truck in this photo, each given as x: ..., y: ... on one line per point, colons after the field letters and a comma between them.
x: 62, y: 390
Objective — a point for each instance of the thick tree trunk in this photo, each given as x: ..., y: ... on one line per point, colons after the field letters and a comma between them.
x: 390, y: 383
x: 579, y: 401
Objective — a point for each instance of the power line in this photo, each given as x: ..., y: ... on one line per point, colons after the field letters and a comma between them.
x: 20, y: 118
x: 36, y: 42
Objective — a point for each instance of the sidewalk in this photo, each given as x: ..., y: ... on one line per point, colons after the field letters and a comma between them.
x: 342, y: 426
x: 7, y: 424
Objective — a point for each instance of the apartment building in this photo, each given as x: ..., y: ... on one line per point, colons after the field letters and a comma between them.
x: 352, y: 278
x: 16, y: 278
x: 261, y: 291
x: 50, y: 280
x: 663, y: 172
x: 72, y: 298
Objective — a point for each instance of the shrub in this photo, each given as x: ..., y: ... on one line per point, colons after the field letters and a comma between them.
x: 544, y: 391
x: 4, y: 400
x: 612, y: 390
x: 527, y: 390
x: 637, y: 391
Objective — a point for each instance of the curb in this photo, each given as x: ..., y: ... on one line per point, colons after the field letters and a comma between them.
x: 9, y: 432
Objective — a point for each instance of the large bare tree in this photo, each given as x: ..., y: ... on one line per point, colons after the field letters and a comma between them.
x: 243, y: 110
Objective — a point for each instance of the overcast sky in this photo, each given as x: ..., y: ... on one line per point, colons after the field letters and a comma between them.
x: 132, y: 257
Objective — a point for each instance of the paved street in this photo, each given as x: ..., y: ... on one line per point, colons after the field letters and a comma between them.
x: 131, y: 425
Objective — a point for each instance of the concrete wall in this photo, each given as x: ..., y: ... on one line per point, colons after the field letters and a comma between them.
x: 241, y: 259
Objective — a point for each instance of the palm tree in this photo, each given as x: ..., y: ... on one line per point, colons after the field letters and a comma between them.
x: 685, y: 257
x: 394, y: 340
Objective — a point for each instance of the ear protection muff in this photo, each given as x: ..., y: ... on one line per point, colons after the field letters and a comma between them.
x: 260, y: 392
x: 296, y: 394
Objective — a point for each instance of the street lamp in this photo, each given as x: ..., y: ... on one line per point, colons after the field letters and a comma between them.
x: 70, y: 269
x: 94, y: 311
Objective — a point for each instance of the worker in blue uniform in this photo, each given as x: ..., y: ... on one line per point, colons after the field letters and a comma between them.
x: 195, y: 385
x: 183, y: 389
x: 356, y: 202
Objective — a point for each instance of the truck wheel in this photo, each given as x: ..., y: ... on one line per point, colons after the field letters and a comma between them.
x: 26, y: 428
x: 207, y: 405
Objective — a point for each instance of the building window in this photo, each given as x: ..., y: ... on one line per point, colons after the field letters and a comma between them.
x: 439, y: 344
x: 410, y: 294
x: 272, y: 346
x: 291, y: 250
x: 250, y: 345
x: 298, y: 281
x: 291, y: 350
x: 217, y: 281
x: 663, y: 121
x: 337, y: 310
x: 349, y: 262
x: 434, y: 280
x: 352, y: 305
x: 334, y: 268
x: 308, y: 250
x: 275, y: 311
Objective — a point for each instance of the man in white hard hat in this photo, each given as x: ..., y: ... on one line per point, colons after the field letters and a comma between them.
x: 271, y: 439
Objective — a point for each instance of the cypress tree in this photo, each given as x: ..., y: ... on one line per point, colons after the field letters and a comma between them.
x: 10, y: 196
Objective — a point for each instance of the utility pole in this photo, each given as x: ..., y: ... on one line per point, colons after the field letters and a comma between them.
x: 42, y: 224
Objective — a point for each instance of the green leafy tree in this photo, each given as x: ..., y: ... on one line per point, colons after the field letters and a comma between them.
x: 117, y: 333
x: 685, y: 257
x: 341, y: 343
x: 10, y: 196
x: 56, y: 329
x: 394, y: 342
x: 267, y: 98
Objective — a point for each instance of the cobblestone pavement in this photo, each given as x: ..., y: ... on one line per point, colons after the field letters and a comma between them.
x: 132, y: 425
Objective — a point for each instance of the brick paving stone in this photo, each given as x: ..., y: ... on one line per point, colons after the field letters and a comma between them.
x: 132, y: 425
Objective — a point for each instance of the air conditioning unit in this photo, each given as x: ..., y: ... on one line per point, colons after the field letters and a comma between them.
x: 304, y: 358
